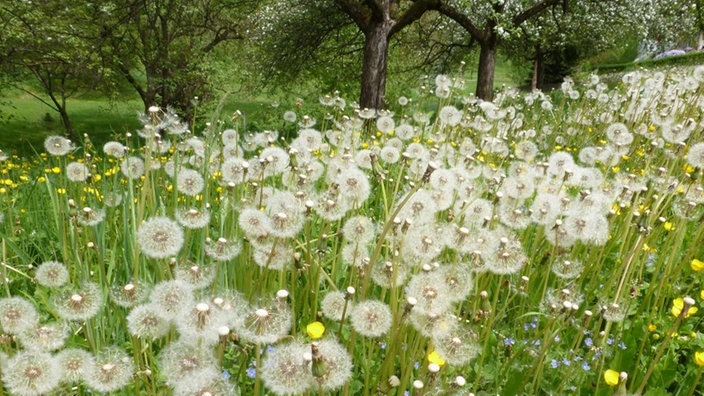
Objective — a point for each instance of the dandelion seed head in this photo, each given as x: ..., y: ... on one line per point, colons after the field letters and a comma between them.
x: 160, y: 237
x: 371, y: 318
x: 51, y: 274
x: 57, y: 145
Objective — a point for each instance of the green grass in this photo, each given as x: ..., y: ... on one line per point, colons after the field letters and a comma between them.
x: 30, y: 121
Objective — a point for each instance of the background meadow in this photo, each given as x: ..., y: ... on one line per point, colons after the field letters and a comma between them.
x: 536, y: 244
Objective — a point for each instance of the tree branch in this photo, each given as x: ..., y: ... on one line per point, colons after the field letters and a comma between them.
x: 415, y: 12
x: 462, y: 19
x: 533, y: 11
x: 355, y: 11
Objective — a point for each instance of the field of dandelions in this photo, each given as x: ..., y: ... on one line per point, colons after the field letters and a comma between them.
x: 537, y: 244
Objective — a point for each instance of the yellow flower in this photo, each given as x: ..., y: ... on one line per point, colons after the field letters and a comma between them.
x: 669, y: 226
x: 315, y: 330
x: 434, y: 357
x: 678, y: 306
x: 652, y: 328
x: 701, y: 294
x: 696, y: 265
x: 611, y: 377
x: 56, y: 170
x: 688, y: 169
x: 699, y: 358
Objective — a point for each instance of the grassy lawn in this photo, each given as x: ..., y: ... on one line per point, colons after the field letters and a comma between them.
x: 30, y: 121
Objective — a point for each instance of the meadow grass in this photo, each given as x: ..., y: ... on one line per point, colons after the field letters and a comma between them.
x: 533, y: 245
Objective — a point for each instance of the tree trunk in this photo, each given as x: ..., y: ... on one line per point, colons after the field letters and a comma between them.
x: 70, y: 131
x: 487, y: 64
x: 376, y: 49
x: 538, y: 70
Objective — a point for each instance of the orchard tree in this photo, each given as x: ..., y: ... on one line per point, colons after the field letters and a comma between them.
x: 311, y: 25
x: 161, y: 47
x: 488, y: 22
x: 557, y: 36
x: 44, y: 52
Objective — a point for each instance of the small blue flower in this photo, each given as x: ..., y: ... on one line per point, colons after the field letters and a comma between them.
x: 251, y: 372
x: 416, y: 365
x: 554, y: 363
x: 585, y: 366
x: 226, y: 374
x: 557, y: 338
x: 609, y: 341
x: 509, y: 341
x: 588, y: 342
x: 622, y: 345
x: 566, y: 362
x: 383, y: 345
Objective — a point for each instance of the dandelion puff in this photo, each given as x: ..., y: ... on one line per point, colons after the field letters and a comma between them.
x: 275, y: 160
x: 223, y: 249
x: 128, y: 295
x: 587, y: 227
x: 193, y: 218
x: 274, y: 257
x: 354, y: 254
x: 77, y: 172
x: 146, y: 322
x: 57, y: 145
x: 73, y: 363
x: 290, y: 116
x: 51, y: 274
x: 254, y: 223
x: 30, y: 373
x: 614, y: 312
x: 567, y: 269
x: 526, y: 150
x: 559, y: 163
x: 45, y: 338
x: 388, y: 275
x: 229, y: 136
x: 371, y: 318
x: 332, y: 364
x: 266, y: 325
x: 112, y: 199
x: 17, y: 315
x: 208, y: 381
x: 618, y: 134
x: 171, y: 296
x: 430, y: 292
x: 114, y: 149
x: 330, y: 206
x: 695, y: 155
x: 234, y: 170
x: 354, y: 185
x: 457, y: 346
x: 458, y: 281
x: 405, y: 131
x: 198, y: 276
x: 200, y: 323
x: 285, y: 369
x: 79, y: 304
x: 132, y: 167
x: 111, y: 370
x: 286, y: 214
x: 160, y: 237
x: 333, y: 305
x: 430, y: 325
x: 90, y: 217
x: 390, y: 154
x: 180, y: 359
x: 508, y: 257
x: 189, y: 182
x: 359, y: 229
